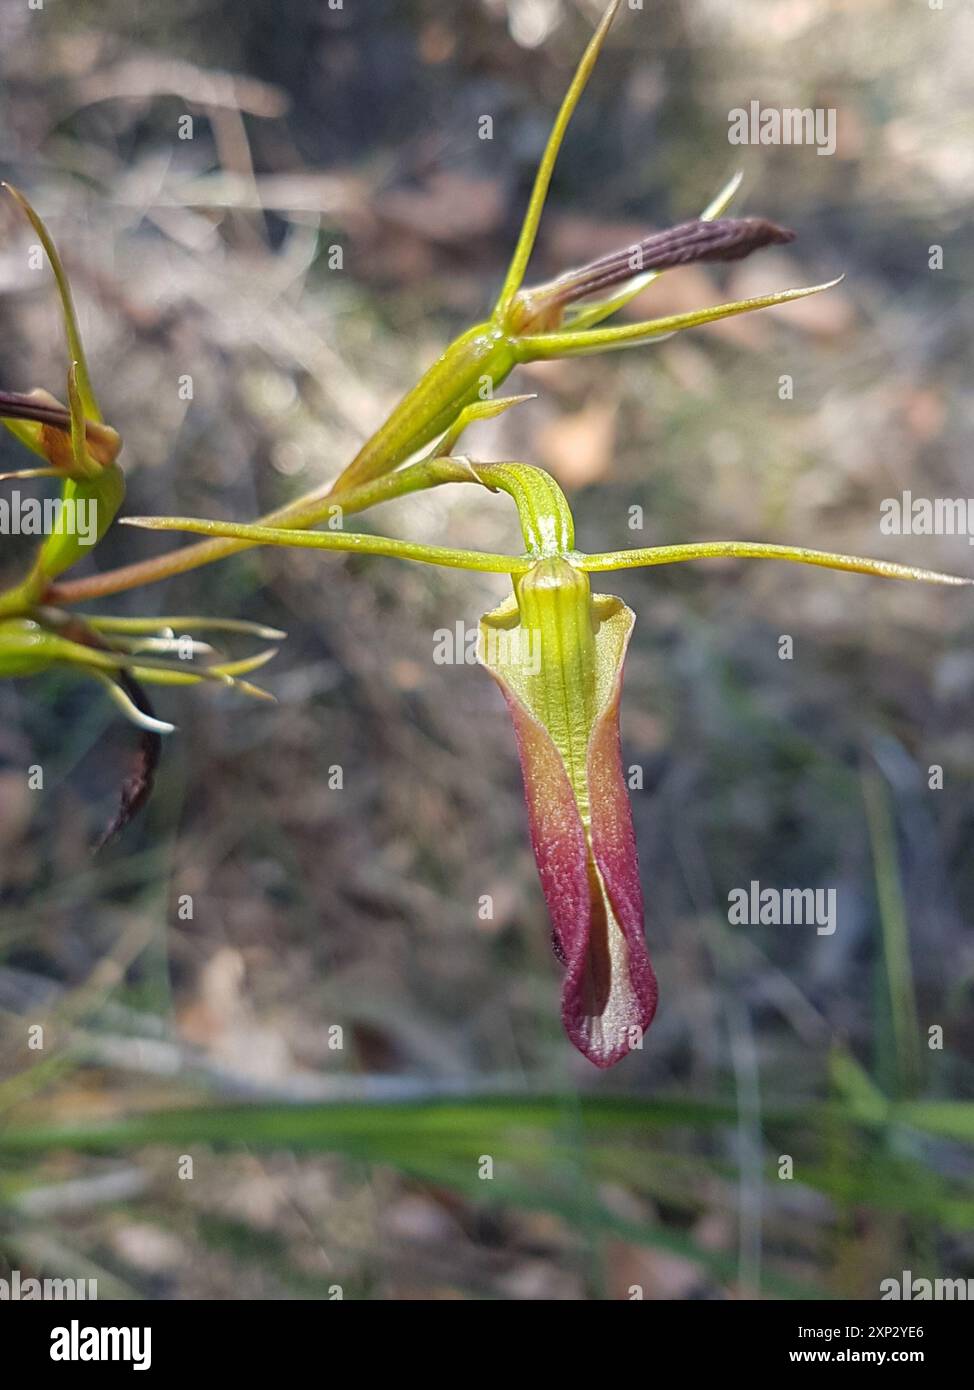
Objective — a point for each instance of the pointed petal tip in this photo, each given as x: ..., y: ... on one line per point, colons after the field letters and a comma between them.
x: 825, y: 285
x: 610, y: 1041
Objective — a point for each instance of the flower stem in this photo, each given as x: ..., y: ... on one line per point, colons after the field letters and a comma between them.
x: 304, y: 512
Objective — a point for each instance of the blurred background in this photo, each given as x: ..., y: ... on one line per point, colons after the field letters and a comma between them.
x: 292, y: 983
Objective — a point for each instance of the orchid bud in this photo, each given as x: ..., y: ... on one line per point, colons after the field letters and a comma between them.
x: 41, y: 422
x: 75, y: 443
x: 529, y: 325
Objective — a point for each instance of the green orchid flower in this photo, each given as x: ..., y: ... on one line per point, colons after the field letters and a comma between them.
x: 557, y: 651
x: 565, y: 317
x: 76, y: 444
x: 121, y: 654
x: 555, y: 648
x: 529, y: 325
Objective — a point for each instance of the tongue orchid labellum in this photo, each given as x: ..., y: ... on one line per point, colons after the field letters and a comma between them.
x: 556, y: 650
x: 561, y: 676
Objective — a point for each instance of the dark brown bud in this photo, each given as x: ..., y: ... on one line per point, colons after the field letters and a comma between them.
x: 725, y: 239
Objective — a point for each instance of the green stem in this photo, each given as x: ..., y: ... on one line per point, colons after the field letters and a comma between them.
x: 306, y: 511
x: 546, y: 518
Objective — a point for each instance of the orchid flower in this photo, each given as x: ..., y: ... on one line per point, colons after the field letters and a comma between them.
x: 560, y: 318
x: 557, y: 650
x: 121, y: 654
x: 76, y: 444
